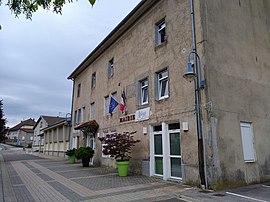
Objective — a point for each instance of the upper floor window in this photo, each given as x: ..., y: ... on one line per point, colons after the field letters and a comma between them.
x: 41, y: 123
x: 160, y: 32
x: 92, y: 111
x: 79, y: 90
x: 162, y: 84
x: 75, y: 118
x: 83, y: 114
x: 143, y: 91
x: 106, y: 105
x: 79, y: 116
x: 93, y: 81
x: 110, y: 68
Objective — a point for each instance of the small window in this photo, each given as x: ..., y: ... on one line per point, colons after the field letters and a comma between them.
x: 79, y: 116
x: 157, y: 128
x: 75, y: 118
x: 174, y: 126
x: 162, y: 85
x: 79, y: 90
x: 92, y: 111
x: 247, y: 142
x: 144, y: 94
x: 161, y: 32
x: 83, y: 114
x: 110, y: 68
x: 93, y: 81
x: 106, y: 105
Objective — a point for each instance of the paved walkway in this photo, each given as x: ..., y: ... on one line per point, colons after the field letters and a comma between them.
x: 25, y: 177
x: 31, y: 178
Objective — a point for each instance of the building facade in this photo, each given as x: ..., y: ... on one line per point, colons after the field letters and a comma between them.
x: 143, y: 59
x: 22, y: 134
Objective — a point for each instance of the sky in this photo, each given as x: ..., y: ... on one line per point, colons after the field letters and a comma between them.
x: 37, y: 56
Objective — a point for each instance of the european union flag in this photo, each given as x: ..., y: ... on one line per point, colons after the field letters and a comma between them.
x: 113, y: 105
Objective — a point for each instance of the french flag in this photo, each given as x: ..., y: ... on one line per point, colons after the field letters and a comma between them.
x: 123, y: 102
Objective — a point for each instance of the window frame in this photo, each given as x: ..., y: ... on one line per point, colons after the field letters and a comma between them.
x: 83, y: 114
x: 159, y: 27
x: 79, y: 116
x: 93, y: 80
x: 106, y: 104
x: 142, y: 89
x: 79, y: 90
x: 160, y: 83
x: 92, y: 111
x: 111, y: 68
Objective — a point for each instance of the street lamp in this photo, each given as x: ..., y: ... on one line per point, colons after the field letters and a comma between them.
x: 192, y: 75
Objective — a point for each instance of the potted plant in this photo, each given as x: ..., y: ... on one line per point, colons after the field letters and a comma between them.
x: 118, y: 145
x: 84, y: 153
x: 71, y: 154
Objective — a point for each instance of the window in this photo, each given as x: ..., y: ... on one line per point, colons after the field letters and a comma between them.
x: 114, y: 94
x: 110, y: 68
x: 106, y: 105
x: 247, y: 142
x: 83, y: 114
x: 93, y: 81
x: 75, y: 118
x: 41, y: 123
x: 160, y: 32
x: 143, y: 88
x: 79, y: 90
x: 92, y: 111
x: 79, y: 116
x: 162, y: 85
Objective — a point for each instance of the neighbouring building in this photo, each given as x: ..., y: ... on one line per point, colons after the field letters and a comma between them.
x: 143, y: 60
x: 55, y: 136
x: 42, y: 123
x: 22, y: 133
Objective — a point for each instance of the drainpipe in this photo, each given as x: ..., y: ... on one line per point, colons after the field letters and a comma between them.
x: 201, y: 145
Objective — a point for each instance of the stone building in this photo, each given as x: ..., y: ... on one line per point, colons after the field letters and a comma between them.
x: 145, y: 57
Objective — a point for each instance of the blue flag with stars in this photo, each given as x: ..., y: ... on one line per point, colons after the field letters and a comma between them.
x: 113, y: 105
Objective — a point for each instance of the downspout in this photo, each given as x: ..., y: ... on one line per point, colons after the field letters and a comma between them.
x: 201, y: 144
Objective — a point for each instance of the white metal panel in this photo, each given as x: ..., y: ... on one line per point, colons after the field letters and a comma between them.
x: 247, y: 142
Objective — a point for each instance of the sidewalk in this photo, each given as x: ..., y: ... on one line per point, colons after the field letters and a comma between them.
x: 53, y: 179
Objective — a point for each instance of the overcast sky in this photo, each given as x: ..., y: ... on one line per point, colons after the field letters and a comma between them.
x: 37, y: 56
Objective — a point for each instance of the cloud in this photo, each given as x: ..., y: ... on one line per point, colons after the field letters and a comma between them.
x: 37, y: 56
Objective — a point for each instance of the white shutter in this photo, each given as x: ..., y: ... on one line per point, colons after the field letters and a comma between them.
x: 247, y: 142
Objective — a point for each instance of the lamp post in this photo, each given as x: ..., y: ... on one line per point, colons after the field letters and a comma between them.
x: 192, y: 75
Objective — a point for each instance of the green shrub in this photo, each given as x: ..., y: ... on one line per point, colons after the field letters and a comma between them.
x: 84, y: 152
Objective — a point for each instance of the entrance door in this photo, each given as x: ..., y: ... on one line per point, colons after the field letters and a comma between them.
x: 166, y: 151
x: 175, y: 155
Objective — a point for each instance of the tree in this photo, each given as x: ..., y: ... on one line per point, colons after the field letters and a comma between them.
x: 28, y: 7
x: 3, y: 122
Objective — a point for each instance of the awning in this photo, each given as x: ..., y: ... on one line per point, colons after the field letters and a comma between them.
x: 88, y: 127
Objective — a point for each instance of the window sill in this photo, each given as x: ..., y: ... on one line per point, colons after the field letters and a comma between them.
x: 142, y: 106
x: 158, y: 46
x: 163, y: 98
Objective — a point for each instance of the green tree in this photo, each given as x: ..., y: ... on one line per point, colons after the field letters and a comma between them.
x: 3, y: 121
x: 28, y: 7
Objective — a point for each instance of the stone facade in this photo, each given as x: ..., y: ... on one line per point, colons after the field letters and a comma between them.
x: 234, y: 48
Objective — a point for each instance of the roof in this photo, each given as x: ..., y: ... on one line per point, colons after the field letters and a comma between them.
x: 28, y: 122
x: 51, y: 120
x: 117, y: 32
x: 27, y: 130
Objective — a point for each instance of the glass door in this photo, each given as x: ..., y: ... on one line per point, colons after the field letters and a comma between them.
x: 175, y: 155
x: 158, y: 150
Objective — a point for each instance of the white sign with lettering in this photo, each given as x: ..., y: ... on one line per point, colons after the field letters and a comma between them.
x: 142, y: 114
